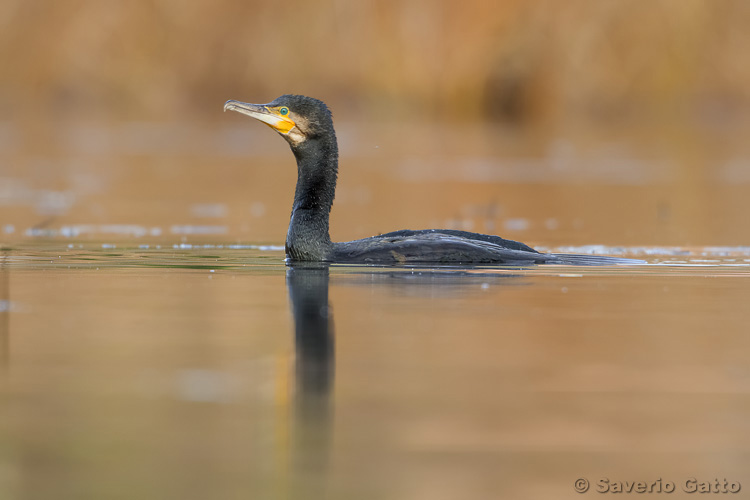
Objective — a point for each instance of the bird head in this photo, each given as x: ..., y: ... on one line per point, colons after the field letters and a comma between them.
x: 297, y: 118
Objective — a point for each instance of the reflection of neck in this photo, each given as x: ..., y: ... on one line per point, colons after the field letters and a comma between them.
x: 317, y: 167
x: 313, y: 330
x: 314, y: 367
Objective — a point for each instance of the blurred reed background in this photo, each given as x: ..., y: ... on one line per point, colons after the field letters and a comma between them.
x: 111, y: 113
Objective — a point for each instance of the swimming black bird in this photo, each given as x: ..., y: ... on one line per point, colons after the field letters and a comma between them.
x: 307, y: 125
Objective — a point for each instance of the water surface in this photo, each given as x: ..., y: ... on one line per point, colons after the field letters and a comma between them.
x: 215, y: 372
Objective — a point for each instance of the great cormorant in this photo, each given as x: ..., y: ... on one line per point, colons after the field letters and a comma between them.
x: 307, y: 126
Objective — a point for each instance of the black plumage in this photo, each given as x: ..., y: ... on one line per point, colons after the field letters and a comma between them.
x: 307, y: 125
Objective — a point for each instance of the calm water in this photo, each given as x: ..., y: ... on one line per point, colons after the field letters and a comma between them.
x: 153, y: 344
x: 207, y: 371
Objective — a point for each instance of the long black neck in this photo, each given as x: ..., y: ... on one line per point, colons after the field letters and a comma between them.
x: 317, y: 168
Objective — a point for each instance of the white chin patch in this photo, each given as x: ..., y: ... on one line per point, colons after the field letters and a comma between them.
x: 295, y: 137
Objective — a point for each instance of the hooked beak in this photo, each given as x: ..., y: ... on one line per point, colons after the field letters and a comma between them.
x: 261, y: 112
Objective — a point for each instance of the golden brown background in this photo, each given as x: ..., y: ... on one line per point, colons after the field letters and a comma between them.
x: 111, y: 114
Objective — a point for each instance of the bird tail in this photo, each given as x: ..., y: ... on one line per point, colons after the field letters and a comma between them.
x: 592, y: 260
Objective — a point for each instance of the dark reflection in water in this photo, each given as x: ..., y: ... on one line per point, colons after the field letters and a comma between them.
x: 433, y: 282
x: 313, y: 329
x: 314, y: 374
x: 315, y: 353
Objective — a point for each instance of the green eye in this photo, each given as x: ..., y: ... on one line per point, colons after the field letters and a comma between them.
x: 284, y: 111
